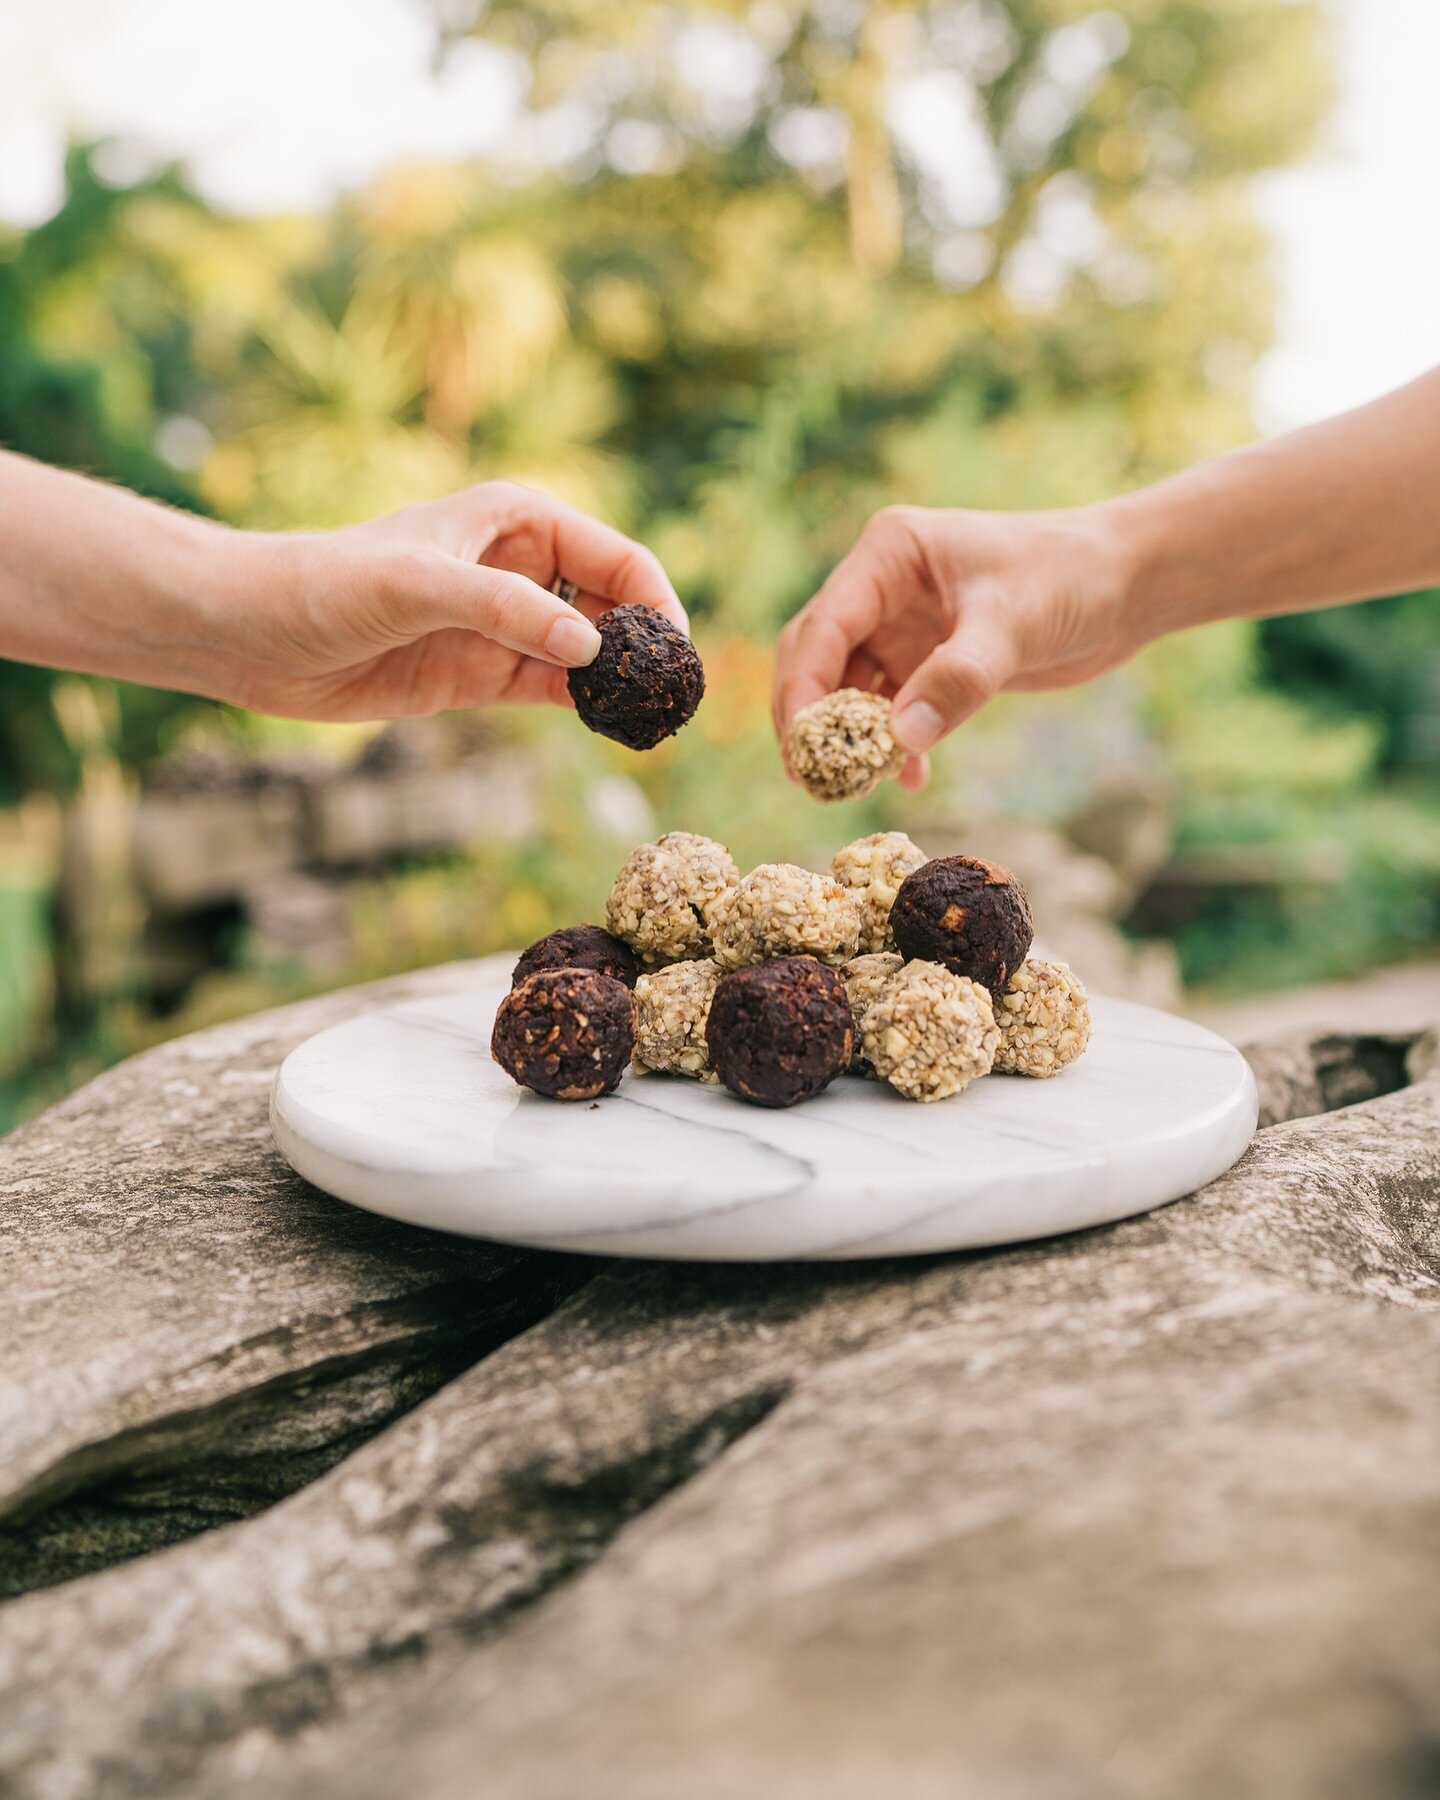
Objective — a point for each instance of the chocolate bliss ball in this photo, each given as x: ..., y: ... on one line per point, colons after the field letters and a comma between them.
x: 579, y: 947
x: 645, y: 683
x: 970, y: 915
x: 566, y: 1033
x: 780, y: 1031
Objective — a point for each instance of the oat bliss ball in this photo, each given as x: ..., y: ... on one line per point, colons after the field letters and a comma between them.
x: 930, y: 1033
x: 1044, y: 1020
x: 672, y: 1010
x: 872, y: 869
x: 781, y: 909
x: 665, y: 896
x: 864, y: 977
x: 841, y: 746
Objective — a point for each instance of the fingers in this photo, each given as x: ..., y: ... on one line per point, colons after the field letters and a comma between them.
x: 613, y: 568
x: 953, y: 682
x: 429, y: 591
x: 817, y: 646
x: 548, y: 539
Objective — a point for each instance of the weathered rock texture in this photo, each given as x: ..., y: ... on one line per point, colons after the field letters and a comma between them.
x: 1151, y: 1510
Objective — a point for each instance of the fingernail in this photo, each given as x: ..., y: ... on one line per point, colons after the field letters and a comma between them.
x: 573, y: 641
x: 918, y: 726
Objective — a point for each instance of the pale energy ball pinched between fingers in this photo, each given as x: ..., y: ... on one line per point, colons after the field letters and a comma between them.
x: 672, y: 1010
x: 872, y: 868
x: 930, y: 1033
x: 1044, y: 1020
x: 664, y: 899
x: 864, y: 977
x: 781, y: 909
x: 842, y: 747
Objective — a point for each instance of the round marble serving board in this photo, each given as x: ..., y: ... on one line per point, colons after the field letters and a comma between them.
x: 402, y: 1111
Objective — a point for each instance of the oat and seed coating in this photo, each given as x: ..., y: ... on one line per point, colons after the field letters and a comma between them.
x: 1044, y: 1020
x: 579, y: 947
x: 872, y: 868
x: 644, y: 684
x: 672, y: 1009
x: 664, y: 898
x: 930, y: 1033
x: 566, y: 1033
x: 780, y: 1031
x: 971, y: 915
x: 864, y: 978
x: 780, y: 909
x: 842, y: 747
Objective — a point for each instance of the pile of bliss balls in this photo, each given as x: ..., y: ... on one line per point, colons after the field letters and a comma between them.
x: 893, y: 965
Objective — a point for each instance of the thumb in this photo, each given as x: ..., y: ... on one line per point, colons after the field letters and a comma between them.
x: 953, y: 682
x: 509, y: 609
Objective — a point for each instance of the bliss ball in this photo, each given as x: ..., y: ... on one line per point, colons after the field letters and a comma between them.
x: 782, y: 910
x: 864, y: 978
x: 780, y: 1031
x: 665, y: 896
x: 929, y: 1033
x: 566, y: 1033
x: 645, y: 683
x: 872, y: 868
x: 1044, y: 1020
x: 672, y: 1009
x: 967, y: 913
x: 842, y: 747
x: 579, y: 947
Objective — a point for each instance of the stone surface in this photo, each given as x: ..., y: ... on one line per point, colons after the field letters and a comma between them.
x: 1151, y: 1510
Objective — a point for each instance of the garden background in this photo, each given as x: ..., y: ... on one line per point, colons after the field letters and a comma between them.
x: 733, y: 276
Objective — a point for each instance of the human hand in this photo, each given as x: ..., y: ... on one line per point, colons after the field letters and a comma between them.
x: 444, y: 604
x: 941, y: 610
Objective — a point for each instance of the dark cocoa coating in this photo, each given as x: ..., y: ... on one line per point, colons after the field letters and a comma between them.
x: 971, y: 915
x: 780, y: 1031
x: 566, y: 1033
x: 645, y: 683
x: 580, y: 947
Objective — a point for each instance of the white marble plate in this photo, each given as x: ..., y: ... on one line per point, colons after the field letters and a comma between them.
x: 402, y: 1111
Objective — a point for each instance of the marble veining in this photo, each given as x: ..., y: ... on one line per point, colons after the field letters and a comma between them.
x: 403, y: 1112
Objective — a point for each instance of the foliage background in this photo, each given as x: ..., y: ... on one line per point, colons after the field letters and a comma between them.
x: 749, y: 271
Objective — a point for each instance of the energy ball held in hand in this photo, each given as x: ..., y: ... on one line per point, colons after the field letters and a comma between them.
x: 864, y: 978
x: 644, y: 684
x: 781, y: 909
x: 841, y: 746
x: 1044, y: 1020
x: 872, y: 869
x: 672, y: 1009
x: 930, y: 1033
x: 971, y: 915
x: 667, y: 894
x: 566, y: 1033
x: 579, y: 947
x: 779, y: 1032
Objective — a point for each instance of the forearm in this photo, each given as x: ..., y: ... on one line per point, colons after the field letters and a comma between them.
x: 1344, y: 510
x: 97, y: 580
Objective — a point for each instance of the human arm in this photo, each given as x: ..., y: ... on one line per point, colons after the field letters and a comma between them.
x: 444, y: 604
x: 943, y: 609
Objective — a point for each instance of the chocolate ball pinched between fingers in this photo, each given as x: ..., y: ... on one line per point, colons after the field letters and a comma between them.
x: 644, y: 684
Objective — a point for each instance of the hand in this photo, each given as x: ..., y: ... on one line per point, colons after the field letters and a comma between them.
x: 445, y: 604
x: 942, y: 610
